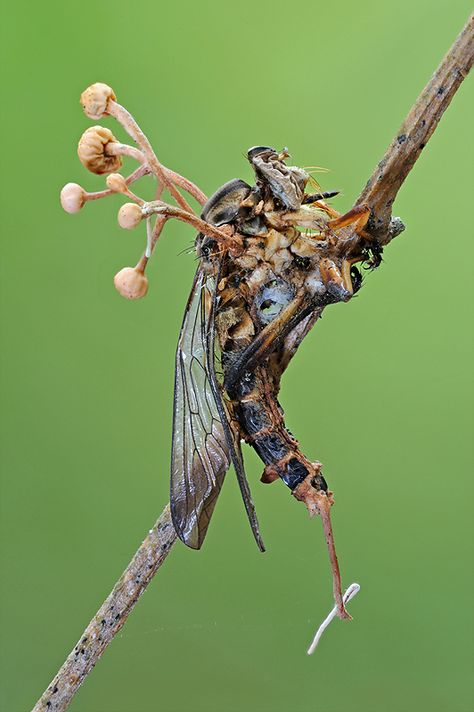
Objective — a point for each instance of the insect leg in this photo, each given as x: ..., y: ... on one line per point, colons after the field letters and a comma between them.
x: 356, y: 216
x: 268, y: 339
x: 313, y: 197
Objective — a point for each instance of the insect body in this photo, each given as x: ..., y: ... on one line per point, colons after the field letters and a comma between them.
x: 254, y: 303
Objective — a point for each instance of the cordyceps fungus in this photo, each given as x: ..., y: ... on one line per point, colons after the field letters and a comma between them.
x: 101, y: 153
x: 263, y: 275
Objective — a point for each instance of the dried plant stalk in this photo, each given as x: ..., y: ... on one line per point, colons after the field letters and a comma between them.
x: 111, y: 615
x: 384, y: 183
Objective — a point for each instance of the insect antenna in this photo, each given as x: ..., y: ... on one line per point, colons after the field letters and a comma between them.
x: 314, y: 183
x: 187, y: 250
x: 315, y: 169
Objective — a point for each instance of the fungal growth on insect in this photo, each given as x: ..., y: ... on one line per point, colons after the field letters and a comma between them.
x: 273, y: 254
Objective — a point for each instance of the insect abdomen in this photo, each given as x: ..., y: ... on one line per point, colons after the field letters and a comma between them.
x: 261, y: 420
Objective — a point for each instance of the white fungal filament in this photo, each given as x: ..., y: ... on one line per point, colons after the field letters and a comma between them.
x: 353, y: 589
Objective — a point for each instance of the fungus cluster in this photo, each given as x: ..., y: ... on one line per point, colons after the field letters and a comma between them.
x: 101, y: 153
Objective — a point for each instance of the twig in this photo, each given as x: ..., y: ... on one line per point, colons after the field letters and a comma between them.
x: 110, y: 617
x: 383, y: 185
x: 379, y: 195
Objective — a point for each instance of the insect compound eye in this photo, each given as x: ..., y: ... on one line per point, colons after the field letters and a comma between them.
x: 255, y: 151
x: 223, y: 206
x: 207, y: 247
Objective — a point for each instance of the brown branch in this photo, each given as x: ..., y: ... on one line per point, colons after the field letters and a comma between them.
x: 383, y: 185
x: 110, y: 617
x: 379, y: 194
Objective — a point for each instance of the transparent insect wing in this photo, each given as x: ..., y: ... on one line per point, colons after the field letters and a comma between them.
x: 200, y: 453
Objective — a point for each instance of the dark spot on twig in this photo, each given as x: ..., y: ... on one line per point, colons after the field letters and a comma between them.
x: 48, y: 704
x: 84, y: 640
x: 440, y: 91
x: 103, y: 621
x: 422, y: 123
x: 55, y: 689
x: 401, y: 139
x: 422, y: 145
x: 117, y: 616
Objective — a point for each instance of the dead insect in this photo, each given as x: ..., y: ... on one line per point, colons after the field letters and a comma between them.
x: 272, y: 256
x: 247, y: 313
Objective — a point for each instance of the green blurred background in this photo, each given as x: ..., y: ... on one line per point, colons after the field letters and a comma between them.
x: 380, y: 391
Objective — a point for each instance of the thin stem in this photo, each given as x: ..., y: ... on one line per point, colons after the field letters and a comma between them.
x: 160, y: 222
x: 172, y: 211
x: 159, y: 225
x: 324, y: 508
x: 411, y: 138
x: 134, y: 197
x: 133, y: 129
x: 110, y: 617
x: 123, y: 149
x: 138, y: 173
x: 188, y: 186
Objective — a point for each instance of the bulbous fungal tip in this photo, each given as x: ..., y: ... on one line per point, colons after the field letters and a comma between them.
x: 131, y: 283
x: 92, y: 151
x: 95, y: 98
x: 72, y: 197
x: 129, y: 216
x: 117, y: 183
